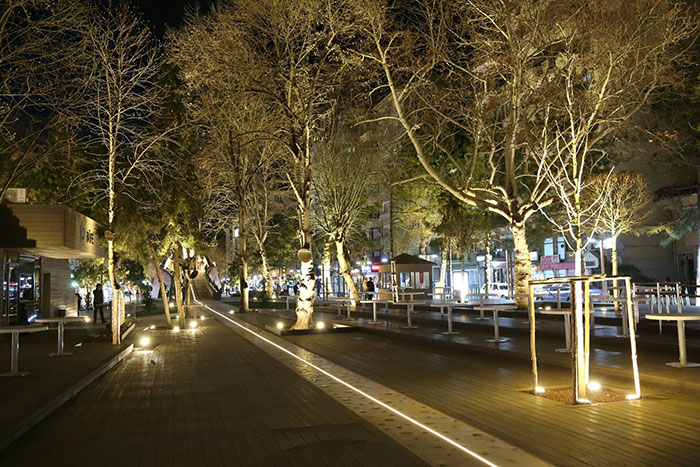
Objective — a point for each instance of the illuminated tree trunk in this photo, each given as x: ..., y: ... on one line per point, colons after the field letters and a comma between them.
x: 327, y: 253
x: 163, y: 292
x: 487, y: 263
x: 613, y: 260
x: 443, y: 268
x: 114, y: 311
x: 522, y: 264
x: 345, y: 270
x: 465, y: 281
x: 391, y: 223
x: 305, y: 300
x: 266, y: 274
x: 177, y: 278
x: 242, y: 244
x: 450, y: 265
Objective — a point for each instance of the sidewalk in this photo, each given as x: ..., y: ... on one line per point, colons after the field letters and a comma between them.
x: 204, y: 397
x: 609, y: 355
x: 490, y: 390
x: 53, y: 380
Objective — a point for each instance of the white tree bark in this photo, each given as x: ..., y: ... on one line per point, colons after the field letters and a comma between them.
x: 305, y: 299
x: 327, y: 253
x: 522, y: 263
x: 163, y: 292
x: 346, y: 271
x: 177, y: 279
x: 443, y: 268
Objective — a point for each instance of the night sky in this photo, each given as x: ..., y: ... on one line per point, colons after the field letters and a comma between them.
x: 162, y: 14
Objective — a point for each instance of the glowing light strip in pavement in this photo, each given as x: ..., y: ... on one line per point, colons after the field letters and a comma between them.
x: 357, y: 390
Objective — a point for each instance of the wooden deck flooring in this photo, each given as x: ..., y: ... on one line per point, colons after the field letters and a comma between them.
x: 663, y: 429
x: 204, y: 398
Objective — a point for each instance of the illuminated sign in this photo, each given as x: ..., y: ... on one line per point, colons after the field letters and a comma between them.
x: 552, y: 259
x: 86, y: 234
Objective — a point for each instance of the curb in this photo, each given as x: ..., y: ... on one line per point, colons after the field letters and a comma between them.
x: 49, y: 408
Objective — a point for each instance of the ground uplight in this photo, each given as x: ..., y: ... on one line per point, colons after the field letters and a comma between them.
x: 193, y: 324
x: 176, y: 328
x: 280, y: 325
x: 594, y: 386
x: 320, y: 325
x: 144, y: 342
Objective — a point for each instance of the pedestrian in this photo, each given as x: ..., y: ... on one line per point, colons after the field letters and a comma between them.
x: 370, y: 288
x: 98, y: 299
x: 138, y: 296
x: 296, y: 288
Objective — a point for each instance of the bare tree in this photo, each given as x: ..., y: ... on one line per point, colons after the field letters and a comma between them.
x: 531, y: 84
x: 470, y: 79
x: 345, y: 178
x: 284, y: 55
x: 233, y: 155
x: 122, y: 102
x: 41, y: 44
x: 626, y: 208
x: 611, y: 60
x: 269, y: 197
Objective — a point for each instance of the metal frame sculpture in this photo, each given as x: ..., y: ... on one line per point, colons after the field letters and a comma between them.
x: 581, y: 333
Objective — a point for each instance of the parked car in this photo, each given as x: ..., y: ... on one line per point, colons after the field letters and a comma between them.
x: 496, y: 288
x: 565, y: 292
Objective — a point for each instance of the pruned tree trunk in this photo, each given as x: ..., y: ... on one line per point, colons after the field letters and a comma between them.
x: 487, y: 263
x: 443, y: 268
x: 450, y: 266
x: 391, y: 223
x: 465, y: 282
x: 266, y: 273
x: 163, y: 292
x: 613, y: 261
x: 114, y: 311
x: 345, y: 270
x: 522, y: 263
x: 327, y: 253
x: 177, y: 278
x: 305, y: 300
x: 244, y: 303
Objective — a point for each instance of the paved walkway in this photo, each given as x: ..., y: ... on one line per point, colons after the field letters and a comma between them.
x: 204, y: 397
x: 610, y: 353
x: 52, y: 379
x: 490, y: 393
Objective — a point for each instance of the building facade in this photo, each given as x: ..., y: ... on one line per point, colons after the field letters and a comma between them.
x: 36, y: 243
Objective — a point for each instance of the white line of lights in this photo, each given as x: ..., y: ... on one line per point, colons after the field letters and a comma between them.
x: 359, y: 391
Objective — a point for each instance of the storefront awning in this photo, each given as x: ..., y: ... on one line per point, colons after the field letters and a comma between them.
x: 53, y: 231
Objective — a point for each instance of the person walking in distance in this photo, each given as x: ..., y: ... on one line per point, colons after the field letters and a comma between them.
x: 98, y: 299
x: 370, y: 288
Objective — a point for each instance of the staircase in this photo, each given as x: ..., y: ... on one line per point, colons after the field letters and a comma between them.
x: 202, y: 289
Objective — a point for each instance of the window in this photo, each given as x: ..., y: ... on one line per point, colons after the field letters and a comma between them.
x: 385, y: 207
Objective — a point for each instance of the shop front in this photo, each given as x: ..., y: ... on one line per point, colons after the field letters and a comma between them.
x: 36, y: 242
